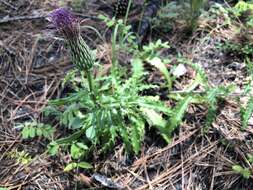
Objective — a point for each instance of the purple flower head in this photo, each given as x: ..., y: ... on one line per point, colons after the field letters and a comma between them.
x: 66, y: 22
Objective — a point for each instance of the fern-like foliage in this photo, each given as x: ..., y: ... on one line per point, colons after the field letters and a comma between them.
x: 35, y: 129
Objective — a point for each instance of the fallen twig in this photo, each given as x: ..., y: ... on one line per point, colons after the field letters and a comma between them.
x: 19, y: 18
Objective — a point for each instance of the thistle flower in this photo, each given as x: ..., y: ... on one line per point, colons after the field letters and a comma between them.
x: 69, y: 26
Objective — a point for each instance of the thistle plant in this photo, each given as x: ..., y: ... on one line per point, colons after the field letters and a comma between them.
x: 81, y: 54
x: 113, y: 111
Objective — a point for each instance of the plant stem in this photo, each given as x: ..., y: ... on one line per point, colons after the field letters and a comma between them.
x: 91, y: 85
x: 127, y: 13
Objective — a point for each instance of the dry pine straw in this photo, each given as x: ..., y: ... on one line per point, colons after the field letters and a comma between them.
x: 31, y: 75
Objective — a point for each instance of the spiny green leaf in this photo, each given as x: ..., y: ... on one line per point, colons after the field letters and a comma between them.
x: 137, y: 68
x: 154, y: 118
x: 178, y: 113
x: 137, y: 133
x: 154, y: 104
x: 246, y: 113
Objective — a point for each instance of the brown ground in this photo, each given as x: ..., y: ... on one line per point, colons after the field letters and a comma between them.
x: 33, y: 62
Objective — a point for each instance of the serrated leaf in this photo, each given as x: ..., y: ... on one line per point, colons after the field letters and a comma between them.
x: 50, y: 110
x: 246, y: 113
x: 154, y: 118
x: 137, y: 68
x: 178, y: 114
x: 137, y: 133
x: 154, y: 104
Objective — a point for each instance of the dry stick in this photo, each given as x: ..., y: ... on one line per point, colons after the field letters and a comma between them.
x: 212, y: 181
x: 19, y: 105
x: 7, y: 150
x: 182, y: 161
x: 31, y: 58
x: 47, y: 91
x: 20, y: 18
x: 147, y: 176
x: 35, y: 17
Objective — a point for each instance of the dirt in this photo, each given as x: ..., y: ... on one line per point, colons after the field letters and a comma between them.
x: 33, y: 63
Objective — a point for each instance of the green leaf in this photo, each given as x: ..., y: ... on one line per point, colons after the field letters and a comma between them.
x: 82, y: 146
x: 71, y: 138
x: 91, y: 132
x: 74, y: 165
x: 157, y: 62
x: 250, y: 158
x: 70, y: 167
x: 178, y: 113
x: 246, y: 113
x: 137, y: 68
x: 51, y: 110
x: 53, y: 148
x: 32, y: 132
x: 211, y: 115
x: 154, y: 118
x: 197, y: 81
x: 84, y: 165
x: 153, y: 103
x: 245, y: 172
x: 76, y: 123
x: 137, y: 133
x: 25, y: 133
x: 126, y: 138
x: 77, y: 150
x: 48, y: 131
x: 39, y: 131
